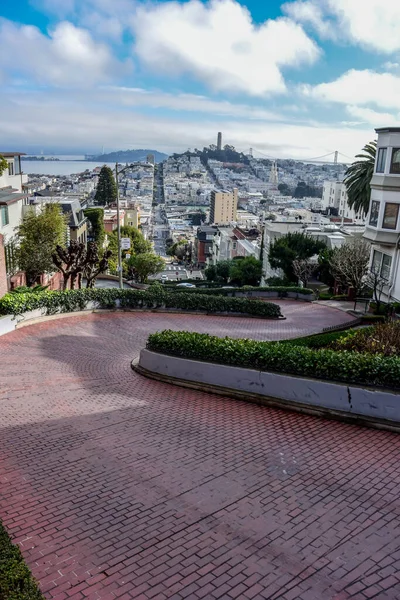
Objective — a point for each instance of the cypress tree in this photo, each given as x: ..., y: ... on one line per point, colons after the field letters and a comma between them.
x: 106, y: 191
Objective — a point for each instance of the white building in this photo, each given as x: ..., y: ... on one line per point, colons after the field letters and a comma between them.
x: 334, y: 196
x: 12, y: 195
x: 383, y: 226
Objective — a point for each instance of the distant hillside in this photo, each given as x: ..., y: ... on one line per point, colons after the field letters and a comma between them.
x: 128, y: 156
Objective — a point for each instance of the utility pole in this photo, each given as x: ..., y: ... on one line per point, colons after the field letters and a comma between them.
x: 121, y: 285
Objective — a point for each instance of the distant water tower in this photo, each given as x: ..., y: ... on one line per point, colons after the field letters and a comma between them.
x: 219, y: 141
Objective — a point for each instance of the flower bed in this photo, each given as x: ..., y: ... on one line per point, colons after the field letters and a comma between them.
x: 326, y: 364
x: 156, y: 297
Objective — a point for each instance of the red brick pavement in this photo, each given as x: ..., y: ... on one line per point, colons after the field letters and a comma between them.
x: 116, y: 486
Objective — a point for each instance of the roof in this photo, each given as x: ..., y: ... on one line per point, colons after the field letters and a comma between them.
x: 8, y: 195
x: 12, y: 154
x: 388, y: 130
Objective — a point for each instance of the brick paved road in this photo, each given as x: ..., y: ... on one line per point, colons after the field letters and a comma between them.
x: 121, y: 487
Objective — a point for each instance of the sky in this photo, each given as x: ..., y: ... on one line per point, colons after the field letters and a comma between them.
x: 292, y: 79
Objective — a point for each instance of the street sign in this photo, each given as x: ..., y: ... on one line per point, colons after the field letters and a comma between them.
x: 125, y: 243
x: 127, y: 256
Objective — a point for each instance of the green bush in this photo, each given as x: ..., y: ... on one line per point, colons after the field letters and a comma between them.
x: 373, y: 318
x: 321, y: 340
x: 324, y: 296
x: 348, y: 367
x: 154, y: 297
x: 382, y: 339
x: 16, y: 581
x: 281, y: 292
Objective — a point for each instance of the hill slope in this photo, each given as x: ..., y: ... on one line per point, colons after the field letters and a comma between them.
x: 123, y: 156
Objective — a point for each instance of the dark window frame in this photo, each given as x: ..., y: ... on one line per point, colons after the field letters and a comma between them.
x: 381, y: 160
x: 374, y: 215
x: 390, y: 205
x: 395, y: 171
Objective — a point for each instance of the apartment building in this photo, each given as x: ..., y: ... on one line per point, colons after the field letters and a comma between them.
x: 335, y: 201
x: 223, y: 206
x: 383, y: 226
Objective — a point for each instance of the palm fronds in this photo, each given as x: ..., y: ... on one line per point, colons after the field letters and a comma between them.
x: 358, y: 178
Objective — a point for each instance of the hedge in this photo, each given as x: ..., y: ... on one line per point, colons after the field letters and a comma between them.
x: 281, y: 292
x: 330, y: 365
x: 16, y: 581
x: 321, y: 340
x: 155, y: 297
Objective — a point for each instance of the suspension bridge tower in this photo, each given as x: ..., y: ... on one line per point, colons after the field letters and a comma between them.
x: 335, y: 160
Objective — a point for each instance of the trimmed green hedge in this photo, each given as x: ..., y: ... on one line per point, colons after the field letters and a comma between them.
x: 281, y: 292
x: 321, y: 340
x: 156, y: 297
x: 16, y: 580
x: 330, y: 365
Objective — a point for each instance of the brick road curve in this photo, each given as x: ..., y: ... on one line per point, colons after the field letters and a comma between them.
x: 116, y: 486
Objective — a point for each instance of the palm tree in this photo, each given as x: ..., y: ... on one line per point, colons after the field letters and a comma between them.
x: 358, y: 178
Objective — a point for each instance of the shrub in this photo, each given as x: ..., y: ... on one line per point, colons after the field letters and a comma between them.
x: 324, y: 296
x: 16, y: 581
x: 382, y: 339
x: 373, y: 318
x: 321, y: 340
x: 281, y: 292
x: 154, y: 297
x: 348, y: 367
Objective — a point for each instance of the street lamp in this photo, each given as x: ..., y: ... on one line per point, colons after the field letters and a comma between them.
x: 121, y: 284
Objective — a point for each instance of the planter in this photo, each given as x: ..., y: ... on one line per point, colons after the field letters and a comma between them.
x: 377, y: 407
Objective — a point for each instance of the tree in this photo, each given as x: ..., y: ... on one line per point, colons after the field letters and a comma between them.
x: 139, y: 244
x: 284, y: 189
x: 324, y: 267
x: 39, y: 234
x: 358, y: 179
x: 146, y: 264
x: 293, y: 246
x: 219, y: 272
x: 349, y: 264
x: 76, y: 262
x: 106, y: 191
x: 182, y: 250
x: 246, y: 271
x: 303, y: 269
x: 376, y: 283
x: 3, y: 165
x: 96, y: 218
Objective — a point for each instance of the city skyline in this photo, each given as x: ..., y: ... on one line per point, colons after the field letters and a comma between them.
x: 296, y: 79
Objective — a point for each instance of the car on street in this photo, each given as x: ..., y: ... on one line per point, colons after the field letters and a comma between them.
x: 186, y: 285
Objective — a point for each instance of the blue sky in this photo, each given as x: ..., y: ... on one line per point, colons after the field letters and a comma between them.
x: 297, y: 79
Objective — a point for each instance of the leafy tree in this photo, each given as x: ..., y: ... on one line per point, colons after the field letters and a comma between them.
x: 39, y: 234
x: 146, y: 264
x: 291, y: 247
x: 211, y: 273
x: 303, y: 269
x: 358, y: 179
x: 246, y: 271
x: 219, y: 272
x: 139, y: 244
x: 182, y: 250
x: 77, y: 261
x: 106, y: 191
x: 3, y: 165
x: 324, y: 267
x: 349, y: 264
x: 284, y: 189
x: 96, y: 218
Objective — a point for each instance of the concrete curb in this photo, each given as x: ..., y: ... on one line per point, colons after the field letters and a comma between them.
x: 167, y: 371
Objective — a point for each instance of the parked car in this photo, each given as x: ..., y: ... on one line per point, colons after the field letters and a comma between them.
x: 165, y: 277
x: 186, y: 285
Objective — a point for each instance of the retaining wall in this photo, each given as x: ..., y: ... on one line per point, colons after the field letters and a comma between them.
x: 351, y: 402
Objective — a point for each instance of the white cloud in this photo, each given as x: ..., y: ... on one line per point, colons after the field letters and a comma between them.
x: 359, y: 88
x: 188, y: 102
x: 373, y: 24
x: 86, y: 118
x: 218, y: 43
x: 67, y: 56
x: 372, y: 117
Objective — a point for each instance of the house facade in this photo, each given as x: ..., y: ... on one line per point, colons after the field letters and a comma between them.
x: 383, y: 225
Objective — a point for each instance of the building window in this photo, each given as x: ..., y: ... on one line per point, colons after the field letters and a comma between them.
x: 395, y: 164
x: 381, y: 160
x: 390, y: 216
x: 381, y: 264
x: 4, y: 215
x: 11, y: 168
x: 373, y: 219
